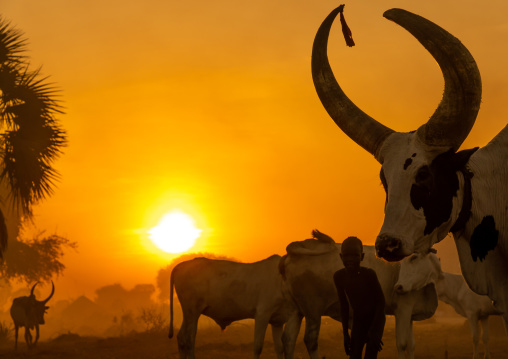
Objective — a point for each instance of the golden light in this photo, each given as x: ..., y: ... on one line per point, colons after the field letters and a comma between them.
x: 175, y: 233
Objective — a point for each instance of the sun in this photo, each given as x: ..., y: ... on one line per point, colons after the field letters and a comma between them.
x: 175, y: 233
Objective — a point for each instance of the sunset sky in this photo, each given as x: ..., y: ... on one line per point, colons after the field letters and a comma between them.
x: 209, y: 107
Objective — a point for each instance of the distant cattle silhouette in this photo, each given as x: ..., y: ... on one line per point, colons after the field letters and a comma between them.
x: 29, y: 312
x: 228, y: 291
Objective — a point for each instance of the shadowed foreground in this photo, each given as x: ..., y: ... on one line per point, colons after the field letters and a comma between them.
x: 432, y: 339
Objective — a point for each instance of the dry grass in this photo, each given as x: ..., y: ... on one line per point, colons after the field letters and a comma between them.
x: 433, y: 338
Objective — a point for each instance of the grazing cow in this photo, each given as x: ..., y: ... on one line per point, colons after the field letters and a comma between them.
x: 419, y: 270
x: 29, y: 312
x: 431, y: 189
x: 308, y: 269
x: 228, y: 291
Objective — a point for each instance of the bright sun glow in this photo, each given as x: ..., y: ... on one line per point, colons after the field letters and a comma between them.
x: 175, y: 233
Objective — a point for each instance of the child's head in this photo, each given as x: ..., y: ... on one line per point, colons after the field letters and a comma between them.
x: 351, y: 253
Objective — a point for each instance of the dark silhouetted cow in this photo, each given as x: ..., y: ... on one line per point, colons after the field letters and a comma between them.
x: 29, y: 312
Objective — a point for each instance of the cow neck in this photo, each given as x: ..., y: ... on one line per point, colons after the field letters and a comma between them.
x: 467, y: 202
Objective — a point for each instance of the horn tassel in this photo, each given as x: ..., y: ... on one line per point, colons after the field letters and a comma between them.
x: 348, y: 35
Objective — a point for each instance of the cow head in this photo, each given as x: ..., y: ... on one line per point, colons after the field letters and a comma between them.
x: 39, y: 307
x: 419, y: 169
x: 417, y: 271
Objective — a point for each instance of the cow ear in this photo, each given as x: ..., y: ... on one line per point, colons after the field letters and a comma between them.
x: 462, y: 157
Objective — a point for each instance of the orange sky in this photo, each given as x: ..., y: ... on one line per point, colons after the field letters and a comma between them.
x: 209, y: 106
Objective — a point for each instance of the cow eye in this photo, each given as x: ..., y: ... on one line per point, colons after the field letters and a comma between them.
x: 419, y: 195
x: 423, y: 174
x: 413, y: 257
x: 420, y: 191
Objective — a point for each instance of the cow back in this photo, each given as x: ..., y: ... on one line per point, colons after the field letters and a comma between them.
x: 23, y: 312
x: 228, y: 291
x: 309, y: 283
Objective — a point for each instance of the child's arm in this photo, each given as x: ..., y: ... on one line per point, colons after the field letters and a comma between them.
x: 378, y: 324
x: 344, y: 311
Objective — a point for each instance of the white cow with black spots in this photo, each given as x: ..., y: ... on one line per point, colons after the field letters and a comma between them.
x: 418, y: 270
x: 431, y: 189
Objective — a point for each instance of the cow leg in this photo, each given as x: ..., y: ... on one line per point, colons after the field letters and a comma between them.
x: 187, y: 335
x: 28, y: 338
x: 485, y: 336
x: 505, y: 322
x: 404, y: 336
x: 260, y: 325
x: 277, y: 340
x: 36, y: 334
x: 16, y: 329
x: 411, y: 342
x: 290, y: 334
x: 312, y: 327
x: 473, y: 323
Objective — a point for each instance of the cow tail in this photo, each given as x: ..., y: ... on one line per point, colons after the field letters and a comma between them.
x: 170, y: 335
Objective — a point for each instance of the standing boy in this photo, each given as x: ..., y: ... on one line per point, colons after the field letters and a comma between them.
x: 359, y: 287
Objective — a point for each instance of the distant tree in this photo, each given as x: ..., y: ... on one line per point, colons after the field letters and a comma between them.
x: 115, y: 297
x: 141, y: 295
x: 30, y: 137
x: 111, y: 297
x: 37, y: 259
x: 164, y: 274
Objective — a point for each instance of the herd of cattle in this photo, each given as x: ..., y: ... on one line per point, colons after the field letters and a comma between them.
x: 431, y: 190
x: 281, y: 291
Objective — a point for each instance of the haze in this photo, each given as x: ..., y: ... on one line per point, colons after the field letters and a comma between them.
x: 209, y: 107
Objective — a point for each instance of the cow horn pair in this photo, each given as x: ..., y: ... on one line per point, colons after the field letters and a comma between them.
x: 453, y: 119
x: 48, y: 298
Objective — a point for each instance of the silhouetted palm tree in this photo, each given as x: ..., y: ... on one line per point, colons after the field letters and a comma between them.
x: 30, y: 136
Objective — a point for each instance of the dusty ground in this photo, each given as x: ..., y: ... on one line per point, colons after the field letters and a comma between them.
x: 434, y: 338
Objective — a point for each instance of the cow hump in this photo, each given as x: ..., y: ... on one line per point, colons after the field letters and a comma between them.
x: 311, y: 247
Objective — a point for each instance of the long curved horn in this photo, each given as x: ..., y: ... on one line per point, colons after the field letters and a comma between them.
x: 32, y: 291
x: 359, y: 126
x: 52, y: 292
x: 455, y: 116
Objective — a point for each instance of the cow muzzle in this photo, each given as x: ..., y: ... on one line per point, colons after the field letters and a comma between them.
x: 399, y: 289
x: 390, y: 249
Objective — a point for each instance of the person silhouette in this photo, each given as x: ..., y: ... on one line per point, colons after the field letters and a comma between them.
x: 359, y: 288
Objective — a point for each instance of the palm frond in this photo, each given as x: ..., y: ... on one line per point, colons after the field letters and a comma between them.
x: 27, y: 156
x: 12, y: 44
x: 32, y: 137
